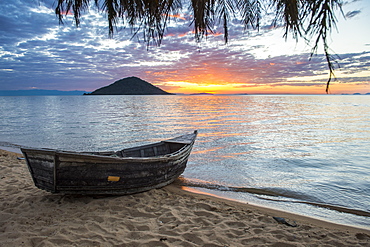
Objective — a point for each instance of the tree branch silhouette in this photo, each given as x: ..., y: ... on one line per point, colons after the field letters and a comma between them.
x: 303, y: 19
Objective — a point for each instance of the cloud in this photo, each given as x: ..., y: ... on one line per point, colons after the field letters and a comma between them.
x: 38, y: 52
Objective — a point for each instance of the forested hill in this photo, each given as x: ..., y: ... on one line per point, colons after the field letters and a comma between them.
x: 129, y: 86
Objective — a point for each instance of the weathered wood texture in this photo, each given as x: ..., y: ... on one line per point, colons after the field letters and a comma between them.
x: 123, y: 172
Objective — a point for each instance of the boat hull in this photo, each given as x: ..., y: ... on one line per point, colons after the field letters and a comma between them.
x: 88, y: 173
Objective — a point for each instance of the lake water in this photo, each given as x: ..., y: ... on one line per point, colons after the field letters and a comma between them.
x: 303, y: 154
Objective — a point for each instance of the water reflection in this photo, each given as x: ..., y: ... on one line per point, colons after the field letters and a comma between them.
x: 312, y: 146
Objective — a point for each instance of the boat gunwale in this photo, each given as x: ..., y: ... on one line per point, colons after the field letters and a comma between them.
x: 100, y: 158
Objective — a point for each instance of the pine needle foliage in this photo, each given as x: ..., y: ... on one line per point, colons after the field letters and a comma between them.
x: 306, y: 19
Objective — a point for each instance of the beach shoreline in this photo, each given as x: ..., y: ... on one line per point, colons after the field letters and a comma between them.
x: 171, y: 216
x: 265, y: 210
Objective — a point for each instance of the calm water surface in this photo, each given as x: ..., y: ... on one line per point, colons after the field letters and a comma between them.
x: 304, y: 154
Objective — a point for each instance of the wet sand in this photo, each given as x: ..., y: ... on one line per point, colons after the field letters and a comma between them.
x: 170, y: 216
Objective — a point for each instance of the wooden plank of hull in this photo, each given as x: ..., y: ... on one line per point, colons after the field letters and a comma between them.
x: 89, y: 173
x: 122, y: 188
x: 41, y: 167
x: 87, y: 177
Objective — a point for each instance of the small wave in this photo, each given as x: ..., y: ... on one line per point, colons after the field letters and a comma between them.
x: 297, y: 198
x: 213, y: 186
x: 328, y: 206
x: 10, y: 145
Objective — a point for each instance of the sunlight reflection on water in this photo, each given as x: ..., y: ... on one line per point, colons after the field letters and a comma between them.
x: 314, y: 148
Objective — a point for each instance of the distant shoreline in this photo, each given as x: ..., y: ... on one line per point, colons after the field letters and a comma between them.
x: 41, y: 92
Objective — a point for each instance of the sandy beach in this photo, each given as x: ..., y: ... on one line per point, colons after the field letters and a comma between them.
x: 169, y: 216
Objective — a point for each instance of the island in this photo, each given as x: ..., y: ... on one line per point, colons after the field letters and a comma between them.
x: 129, y: 86
x: 202, y: 94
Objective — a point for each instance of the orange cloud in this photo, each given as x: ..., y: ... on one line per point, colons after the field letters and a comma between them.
x: 182, y: 35
x: 178, y: 16
x: 67, y: 12
x: 224, y: 84
x: 198, y: 75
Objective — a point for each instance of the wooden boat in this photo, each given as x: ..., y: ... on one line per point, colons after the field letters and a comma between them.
x: 127, y: 171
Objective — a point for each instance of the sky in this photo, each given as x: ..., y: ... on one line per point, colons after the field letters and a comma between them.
x: 36, y: 52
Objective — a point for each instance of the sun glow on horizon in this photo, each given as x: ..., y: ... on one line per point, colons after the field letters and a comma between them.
x: 187, y: 87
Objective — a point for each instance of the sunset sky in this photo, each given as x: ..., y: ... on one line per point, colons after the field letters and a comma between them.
x: 38, y: 53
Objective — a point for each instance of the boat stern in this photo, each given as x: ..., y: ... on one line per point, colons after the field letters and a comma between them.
x: 41, y: 164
